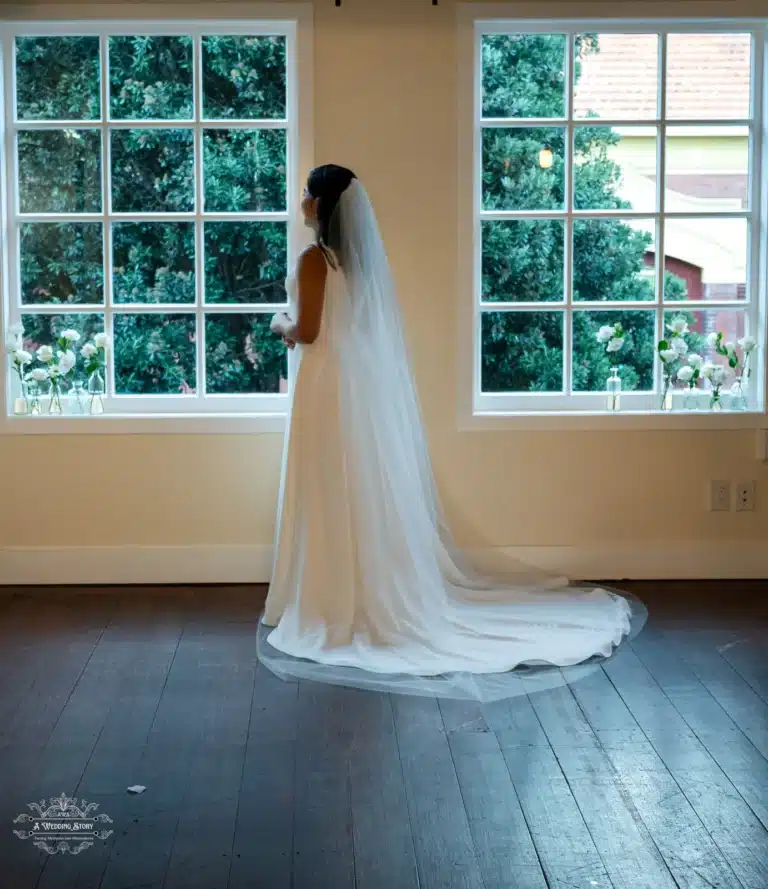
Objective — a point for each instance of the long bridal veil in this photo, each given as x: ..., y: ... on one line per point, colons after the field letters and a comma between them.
x: 430, y: 623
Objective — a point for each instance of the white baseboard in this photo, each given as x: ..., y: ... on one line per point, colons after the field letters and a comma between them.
x: 125, y: 565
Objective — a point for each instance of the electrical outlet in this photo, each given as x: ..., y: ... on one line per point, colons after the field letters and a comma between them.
x: 745, y: 496
x: 720, y: 496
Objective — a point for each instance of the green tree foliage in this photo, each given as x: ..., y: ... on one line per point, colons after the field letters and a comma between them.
x: 523, y: 260
x: 244, y: 170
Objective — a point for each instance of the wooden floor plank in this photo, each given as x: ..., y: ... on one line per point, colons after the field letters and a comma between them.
x: 564, y: 845
x: 733, y: 826
x: 445, y: 851
x: 506, y: 852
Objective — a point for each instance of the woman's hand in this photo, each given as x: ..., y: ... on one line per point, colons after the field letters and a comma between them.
x: 291, y: 344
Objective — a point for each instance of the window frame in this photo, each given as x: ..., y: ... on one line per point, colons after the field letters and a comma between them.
x: 262, y: 412
x: 478, y: 410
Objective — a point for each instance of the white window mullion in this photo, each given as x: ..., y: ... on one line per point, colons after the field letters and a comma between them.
x: 757, y: 272
x: 197, y: 79
x: 568, y: 326
x: 106, y: 210
x: 661, y: 167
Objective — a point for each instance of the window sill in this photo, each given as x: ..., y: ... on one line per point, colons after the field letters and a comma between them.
x: 565, y: 421
x: 125, y: 424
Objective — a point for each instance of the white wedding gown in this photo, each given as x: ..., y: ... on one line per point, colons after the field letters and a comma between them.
x: 368, y: 588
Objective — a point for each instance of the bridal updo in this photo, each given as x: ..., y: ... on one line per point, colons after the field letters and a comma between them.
x: 327, y: 184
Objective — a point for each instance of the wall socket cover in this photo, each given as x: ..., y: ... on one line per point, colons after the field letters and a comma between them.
x: 720, y: 496
x: 745, y: 496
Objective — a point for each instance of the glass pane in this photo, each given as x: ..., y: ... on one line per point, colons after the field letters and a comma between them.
x: 57, y: 78
x: 523, y: 260
x: 44, y: 330
x: 708, y: 76
x: 617, y: 76
x: 244, y: 78
x: 592, y: 363
x: 707, y: 169
x: 154, y: 262
x: 246, y: 262
x: 705, y: 259
x: 613, y: 260
x: 60, y: 171
x: 62, y: 262
x: 615, y: 169
x: 524, y: 75
x: 522, y: 351
x: 150, y: 78
x: 242, y: 356
x: 152, y: 171
x: 703, y: 322
x: 523, y: 168
x: 244, y: 170
x: 155, y: 354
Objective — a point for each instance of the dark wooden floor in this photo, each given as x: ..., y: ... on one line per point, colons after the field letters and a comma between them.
x: 651, y: 773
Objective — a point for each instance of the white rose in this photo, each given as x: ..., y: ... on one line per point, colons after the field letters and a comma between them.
x: 39, y: 375
x: 696, y: 361
x: 606, y: 333
x: 748, y: 343
x: 679, y: 326
x: 20, y: 357
x: 730, y: 348
x: 713, y: 339
x: 685, y: 374
x: 680, y: 346
x: 707, y: 370
x: 101, y: 340
x: 718, y: 375
x: 55, y: 371
x: 45, y: 354
x: 668, y: 356
x: 71, y: 336
x: 615, y: 344
x: 88, y: 350
x: 67, y: 361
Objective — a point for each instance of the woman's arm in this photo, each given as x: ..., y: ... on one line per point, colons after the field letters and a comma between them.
x: 311, y: 276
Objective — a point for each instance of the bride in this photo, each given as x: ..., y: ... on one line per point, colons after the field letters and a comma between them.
x: 368, y: 588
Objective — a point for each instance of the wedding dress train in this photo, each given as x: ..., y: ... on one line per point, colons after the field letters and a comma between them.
x: 368, y: 587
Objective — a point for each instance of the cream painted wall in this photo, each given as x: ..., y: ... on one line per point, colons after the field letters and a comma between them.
x: 386, y: 84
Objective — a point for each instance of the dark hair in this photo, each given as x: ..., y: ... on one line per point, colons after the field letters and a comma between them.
x: 327, y: 184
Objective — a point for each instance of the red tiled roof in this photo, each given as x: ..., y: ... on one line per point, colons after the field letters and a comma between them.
x: 708, y: 76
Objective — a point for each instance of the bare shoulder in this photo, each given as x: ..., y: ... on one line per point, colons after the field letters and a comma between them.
x: 312, y: 262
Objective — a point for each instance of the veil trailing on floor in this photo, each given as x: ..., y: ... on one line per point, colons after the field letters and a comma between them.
x: 427, y: 622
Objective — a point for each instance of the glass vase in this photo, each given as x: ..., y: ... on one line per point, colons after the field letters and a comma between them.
x: 54, y: 398
x: 691, y: 399
x: 77, y: 398
x: 33, y: 396
x: 715, y: 402
x: 96, y: 393
x: 613, y: 389
x: 666, y: 396
x: 738, y: 396
x: 21, y: 402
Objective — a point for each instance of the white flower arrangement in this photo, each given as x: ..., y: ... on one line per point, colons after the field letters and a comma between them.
x: 613, y: 337
x: 716, y: 374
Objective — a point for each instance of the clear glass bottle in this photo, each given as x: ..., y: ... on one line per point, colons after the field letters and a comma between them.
x: 54, y: 398
x: 738, y: 396
x: 77, y: 398
x: 613, y: 388
x: 96, y: 393
x: 691, y: 399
